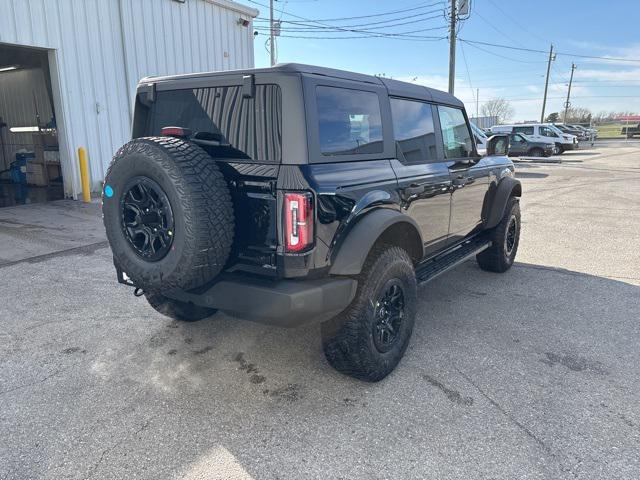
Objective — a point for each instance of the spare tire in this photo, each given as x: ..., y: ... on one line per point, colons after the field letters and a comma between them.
x: 168, y: 214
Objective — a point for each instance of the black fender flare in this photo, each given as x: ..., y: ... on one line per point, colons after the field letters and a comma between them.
x: 361, y: 238
x: 508, y: 187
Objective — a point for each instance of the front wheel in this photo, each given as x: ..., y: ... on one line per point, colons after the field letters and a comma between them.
x: 368, y: 339
x: 505, y: 238
x: 536, y: 152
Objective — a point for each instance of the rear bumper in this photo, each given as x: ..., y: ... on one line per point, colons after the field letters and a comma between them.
x: 286, y: 303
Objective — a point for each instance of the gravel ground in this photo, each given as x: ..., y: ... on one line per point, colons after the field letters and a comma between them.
x: 530, y: 374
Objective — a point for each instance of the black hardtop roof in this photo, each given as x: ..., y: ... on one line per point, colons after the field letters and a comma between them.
x: 394, y: 87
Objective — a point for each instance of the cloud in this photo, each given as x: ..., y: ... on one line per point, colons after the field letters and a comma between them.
x: 628, y: 75
x: 628, y: 56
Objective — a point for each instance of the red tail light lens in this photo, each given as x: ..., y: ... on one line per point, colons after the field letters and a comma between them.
x: 175, y: 132
x: 298, y: 221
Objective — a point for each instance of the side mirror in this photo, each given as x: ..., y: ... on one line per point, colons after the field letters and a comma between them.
x: 498, y: 145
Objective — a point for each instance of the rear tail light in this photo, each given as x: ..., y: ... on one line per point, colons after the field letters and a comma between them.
x: 175, y: 132
x: 298, y: 221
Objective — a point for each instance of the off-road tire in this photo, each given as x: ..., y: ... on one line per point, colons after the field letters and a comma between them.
x: 498, y: 258
x: 348, y: 339
x: 182, y: 311
x: 201, y: 206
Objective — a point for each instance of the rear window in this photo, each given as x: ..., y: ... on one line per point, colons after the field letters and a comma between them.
x: 349, y: 121
x: 245, y: 128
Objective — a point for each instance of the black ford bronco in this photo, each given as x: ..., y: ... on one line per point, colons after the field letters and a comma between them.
x: 299, y: 194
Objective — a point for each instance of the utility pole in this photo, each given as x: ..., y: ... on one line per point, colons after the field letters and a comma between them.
x: 452, y: 47
x: 477, y: 103
x: 546, y: 83
x: 567, y: 103
x: 272, y: 40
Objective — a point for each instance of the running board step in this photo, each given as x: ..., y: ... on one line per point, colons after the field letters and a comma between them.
x: 430, y: 269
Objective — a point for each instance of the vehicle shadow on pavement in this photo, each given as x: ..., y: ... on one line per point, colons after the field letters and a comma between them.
x: 528, y: 300
x: 508, y: 354
x: 529, y: 371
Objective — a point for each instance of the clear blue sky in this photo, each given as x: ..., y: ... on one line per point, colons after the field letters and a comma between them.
x: 585, y: 27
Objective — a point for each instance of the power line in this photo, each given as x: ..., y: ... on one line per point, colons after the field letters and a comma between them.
x: 466, y: 65
x: 441, y: 2
x: 498, y: 54
x: 519, y: 24
x: 525, y: 99
x: 508, y: 37
x: 533, y: 50
x: 407, y: 34
x: 395, y: 36
x: 373, y: 34
x: 388, y: 20
x: 392, y: 12
x: 320, y: 28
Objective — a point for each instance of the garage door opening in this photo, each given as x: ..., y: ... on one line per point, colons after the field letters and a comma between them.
x: 29, y: 150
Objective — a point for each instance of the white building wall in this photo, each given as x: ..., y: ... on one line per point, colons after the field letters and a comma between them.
x: 99, y: 49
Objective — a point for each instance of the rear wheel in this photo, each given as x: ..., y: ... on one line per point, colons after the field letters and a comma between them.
x: 182, y: 311
x: 505, y: 239
x: 369, y: 338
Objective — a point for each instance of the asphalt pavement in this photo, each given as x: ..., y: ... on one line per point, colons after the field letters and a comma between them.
x: 532, y: 374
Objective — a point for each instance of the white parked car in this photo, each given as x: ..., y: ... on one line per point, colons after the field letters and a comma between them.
x: 541, y: 132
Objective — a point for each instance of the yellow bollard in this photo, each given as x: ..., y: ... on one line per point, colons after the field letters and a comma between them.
x: 84, y: 174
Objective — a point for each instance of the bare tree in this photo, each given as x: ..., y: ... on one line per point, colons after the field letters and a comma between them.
x: 578, y: 115
x: 498, y: 107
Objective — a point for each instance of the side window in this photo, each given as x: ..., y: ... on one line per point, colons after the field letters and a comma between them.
x: 413, y: 130
x: 349, y: 121
x: 455, y: 133
x: 547, y: 132
x: 525, y: 130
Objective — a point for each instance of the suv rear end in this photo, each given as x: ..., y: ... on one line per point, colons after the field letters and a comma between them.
x: 238, y: 120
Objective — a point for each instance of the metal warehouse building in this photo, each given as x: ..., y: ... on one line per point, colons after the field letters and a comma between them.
x: 68, y: 72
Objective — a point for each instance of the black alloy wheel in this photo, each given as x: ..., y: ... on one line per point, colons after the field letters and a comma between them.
x: 147, y: 218
x: 510, y: 235
x: 389, y: 314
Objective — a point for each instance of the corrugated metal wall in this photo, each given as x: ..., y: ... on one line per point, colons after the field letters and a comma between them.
x: 101, y: 48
